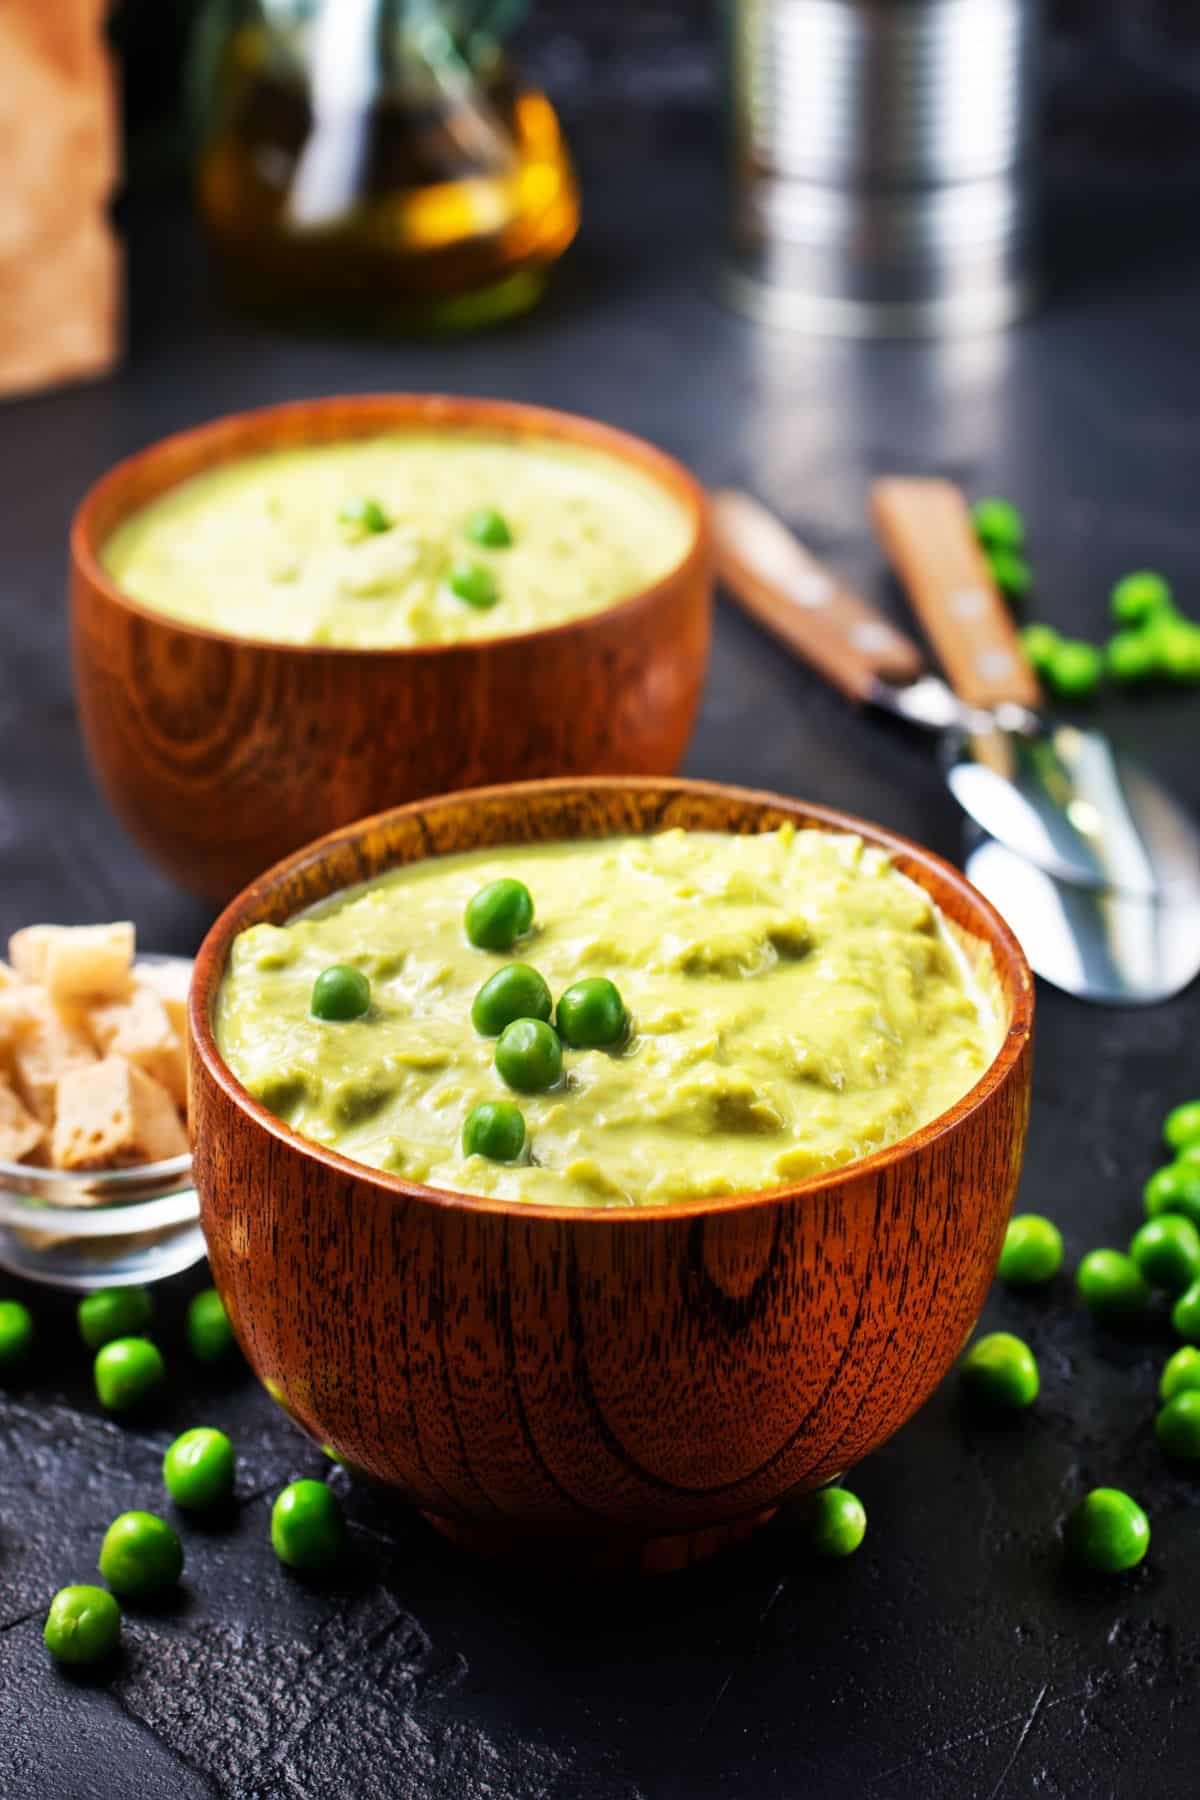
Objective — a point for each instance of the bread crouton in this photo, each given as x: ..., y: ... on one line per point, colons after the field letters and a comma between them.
x: 20, y: 1132
x: 8, y: 976
x: 170, y: 981
x: 111, y: 1115
x: 48, y: 1046
x: 139, y: 1030
x: 20, y: 1006
x: 75, y: 963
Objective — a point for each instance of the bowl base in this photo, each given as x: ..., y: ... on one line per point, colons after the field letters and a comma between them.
x: 632, y: 1554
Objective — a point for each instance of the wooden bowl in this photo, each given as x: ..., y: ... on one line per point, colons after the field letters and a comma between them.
x: 222, y: 754
x: 630, y: 1386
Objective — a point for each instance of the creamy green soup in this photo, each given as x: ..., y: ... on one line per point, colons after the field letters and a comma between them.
x: 365, y: 543
x: 794, y: 1003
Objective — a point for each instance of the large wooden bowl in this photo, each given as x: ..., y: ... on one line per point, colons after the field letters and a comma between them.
x: 223, y: 753
x: 634, y: 1385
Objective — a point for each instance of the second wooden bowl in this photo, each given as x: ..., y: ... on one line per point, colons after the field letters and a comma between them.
x: 631, y: 1386
x: 221, y: 754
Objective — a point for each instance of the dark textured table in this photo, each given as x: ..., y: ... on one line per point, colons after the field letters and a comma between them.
x: 953, y: 1656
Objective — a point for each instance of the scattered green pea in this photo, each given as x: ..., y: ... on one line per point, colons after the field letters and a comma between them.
x: 1167, y: 1252
x: 529, y: 1056
x: 1177, y: 648
x: 1108, y: 1531
x: 591, y: 1014
x: 83, y: 1625
x: 140, y: 1555
x: 514, y: 992
x: 1174, y: 1189
x: 495, y: 1129
x: 127, y: 1371
x: 498, y: 915
x: 1181, y: 1126
x: 198, y: 1469
x: 1075, y: 669
x: 308, y: 1530
x: 16, y: 1334
x: 998, y: 524
x: 1185, y: 1314
x: 490, y: 528
x: 209, y: 1333
x: 1000, y: 1371
x: 1131, y: 656
x: 1032, y: 1253
x: 1039, y: 644
x: 835, y: 1520
x: 1011, y: 573
x: 1177, y: 1426
x: 474, y: 583
x: 365, y: 515
x: 1180, y: 1373
x: 1111, y: 1286
x: 1140, y: 597
x: 340, y: 993
x: 1189, y: 1157
x: 113, y: 1313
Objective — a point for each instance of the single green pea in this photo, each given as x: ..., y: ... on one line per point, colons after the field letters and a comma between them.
x: 127, y: 1371
x: 1040, y: 644
x: 490, y: 528
x: 1075, y: 669
x: 529, y: 1056
x: 1140, y: 597
x: 1174, y: 1189
x: 16, y: 1334
x: 140, y: 1554
x: 83, y: 1625
x: 1011, y: 573
x: 591, y: 1014
x: 113, y: 1313
x: 1108, y: 1531
x: 340, y: 993
x: 1131, y: 656
x: 1189, y: 1157
x: 308, y: 1530
x: 498, y: 915
x: 1177, y: 649
x: 514, y: 992
x: 1001, y: 1371
x: 1167, y: 1251
x: 198, y: 1469
x: 1177, y: 1426
x: 1032, y: 1253
x: 835, y: 1520
x: 364, y: 515
x: 1111, y: 1286
x: 209, y: 1333
x: 1181, y: 1126
x: 1185, y: 1314
x: 1181, y: 1373
x: 998, y: 524
x: 474, y: 583
x: 495, y: 1129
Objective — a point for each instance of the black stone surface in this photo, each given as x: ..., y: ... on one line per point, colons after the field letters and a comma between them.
x: 953, y: 1657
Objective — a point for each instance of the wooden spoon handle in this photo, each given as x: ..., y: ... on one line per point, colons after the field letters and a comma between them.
x: 772, y: 577
x: 925, y: 528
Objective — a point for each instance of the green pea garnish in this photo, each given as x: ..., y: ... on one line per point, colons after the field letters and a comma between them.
x: 835, y: 1521
x: 1167, y: 1252
x: 82, y: 1626
x: 1039, y: 644
x: 209, y: 1333
x: 365, y: 515
x: 340, y: 993
x: 114, y: 1313
x: 1185, y: 1314
x: 1181, y: 1126
x: 1075, y: 669
x: 998, y: 524
x: 514, y: 992
x: 16, y: 1334
x: 1112, y: 1287
x: 1011, y: 573
x: 495, y: 1129
x: 140, y: 1555
x: 198, y: 1469
x: 1177, y: 649
x: 489, y: 528
x: 1001, y: 1372
x: 1108, y: 1531
x: 1032, y: 1253
x: 474, y: 583
x: 308, y: 1530
x: 1174, y: 1189
x: 498, y: 915
x: 591, y: 1014
x: 1177, y: 1426
x: 1131, y: 656
x: 1140, y: 597
x: 529, y: 1056
x: 127, y: 1372
x: 1180, y: 1373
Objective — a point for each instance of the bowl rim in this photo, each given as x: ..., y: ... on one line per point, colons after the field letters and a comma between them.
x: 379, y: 412
x: 212, y: 957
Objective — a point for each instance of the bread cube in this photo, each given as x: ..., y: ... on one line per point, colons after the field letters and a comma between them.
x: 170, y: 981
x: 139, y: 1030
x: 76, y: 964
x: 20, y: 1132
x: 111, y: 1115
x: 20, y: 1006
x: 48, y: 1045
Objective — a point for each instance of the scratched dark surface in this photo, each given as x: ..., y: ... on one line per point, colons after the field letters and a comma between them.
x: 952, y: 1658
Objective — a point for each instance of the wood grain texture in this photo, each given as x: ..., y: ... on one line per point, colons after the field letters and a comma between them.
x: 601, y: 1378
x: 223, y: 754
